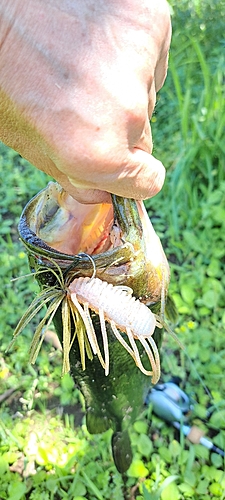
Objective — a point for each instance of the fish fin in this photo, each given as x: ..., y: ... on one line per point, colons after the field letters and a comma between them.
x: 171, y: 309
x: 158, y: 337
x: 121, y: 450
x: 96, y: 424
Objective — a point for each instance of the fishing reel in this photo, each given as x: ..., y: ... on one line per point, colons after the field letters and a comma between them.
x: 169, y: 402
x: 174, y: 406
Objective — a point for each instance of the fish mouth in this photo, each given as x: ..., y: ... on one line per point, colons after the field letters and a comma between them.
x: 71, y: 227
x: 118, y: 236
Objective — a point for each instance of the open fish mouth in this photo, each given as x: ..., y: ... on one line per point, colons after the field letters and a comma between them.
x: 71, y: 227
x: 105, y: 260
x: 120, y: 234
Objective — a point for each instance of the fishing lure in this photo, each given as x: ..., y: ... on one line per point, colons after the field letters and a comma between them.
x: 116, y: 305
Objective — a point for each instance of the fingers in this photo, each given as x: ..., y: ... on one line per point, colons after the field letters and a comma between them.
x: 140, y: 178
x: 145, y: 141
x: 161, y: 71
x: 86, y: 196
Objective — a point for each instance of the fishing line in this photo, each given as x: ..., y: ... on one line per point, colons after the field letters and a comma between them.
x: 175, y: 337
x: 74, y: 263
x: 92, y: 261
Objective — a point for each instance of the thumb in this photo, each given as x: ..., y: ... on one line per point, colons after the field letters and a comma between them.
x: 142, y: 177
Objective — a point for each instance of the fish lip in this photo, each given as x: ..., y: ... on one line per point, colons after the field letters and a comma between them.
x: 37, y: 247
x: 31, y: 224
x: 136, y: 259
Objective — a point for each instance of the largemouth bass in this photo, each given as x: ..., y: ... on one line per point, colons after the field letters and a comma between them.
x: 104, y: 278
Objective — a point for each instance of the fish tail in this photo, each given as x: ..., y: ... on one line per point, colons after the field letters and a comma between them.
x: 121, y: 450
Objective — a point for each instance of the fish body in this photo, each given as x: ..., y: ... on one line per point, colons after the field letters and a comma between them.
x: 114, y: 243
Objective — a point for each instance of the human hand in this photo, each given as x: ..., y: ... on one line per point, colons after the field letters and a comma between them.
x: 78, y: 83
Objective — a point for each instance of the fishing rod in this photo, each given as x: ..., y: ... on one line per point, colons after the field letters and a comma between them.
x: 174, y: 406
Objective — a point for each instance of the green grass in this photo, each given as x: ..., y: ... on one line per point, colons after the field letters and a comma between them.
x: 45, y: 454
